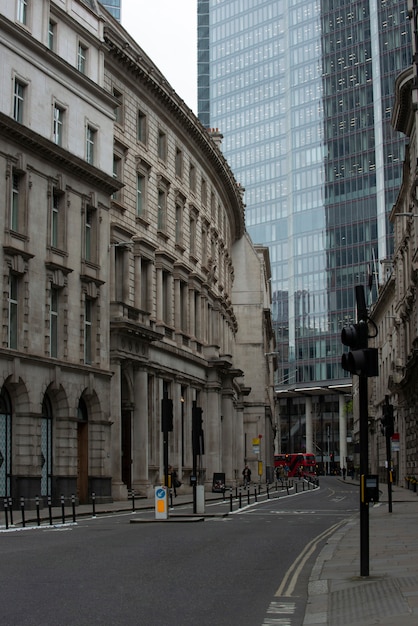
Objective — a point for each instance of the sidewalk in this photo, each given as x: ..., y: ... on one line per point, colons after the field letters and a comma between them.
x: 339, y: 596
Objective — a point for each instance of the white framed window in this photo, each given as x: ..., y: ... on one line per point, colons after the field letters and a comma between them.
x: 17, y: 201
x: 82, y: 57
x: 19, y: 90
x: 91, y: 137
x: 58, y: 129
x: 52, y: 34
x: 53, y: 321
x: 22, y: 11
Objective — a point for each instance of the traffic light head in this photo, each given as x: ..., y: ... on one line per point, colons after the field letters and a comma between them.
x: 361, y: 360
x: 355, y: 335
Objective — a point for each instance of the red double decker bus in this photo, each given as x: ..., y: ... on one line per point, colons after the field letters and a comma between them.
x: 303, y: 460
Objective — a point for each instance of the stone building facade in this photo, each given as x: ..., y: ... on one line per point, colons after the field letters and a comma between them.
x: 118, y: 254
x: 396, y: 312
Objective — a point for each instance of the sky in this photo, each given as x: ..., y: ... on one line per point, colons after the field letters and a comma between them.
x: 167, y: 31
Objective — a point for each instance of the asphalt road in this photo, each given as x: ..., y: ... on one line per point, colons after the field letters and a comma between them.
x: 248, y: 569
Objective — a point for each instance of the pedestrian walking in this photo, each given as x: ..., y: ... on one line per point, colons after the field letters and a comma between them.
x: 246, y: 473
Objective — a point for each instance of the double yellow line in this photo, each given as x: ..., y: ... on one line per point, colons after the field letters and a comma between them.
x: 290, y: 579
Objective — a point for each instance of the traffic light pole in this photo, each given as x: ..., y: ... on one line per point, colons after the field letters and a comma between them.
x: 364, y: 468
x: 362, y: 361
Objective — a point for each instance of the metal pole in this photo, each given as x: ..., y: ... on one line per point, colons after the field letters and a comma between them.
x: 389, y: 468
x: 364, y: 468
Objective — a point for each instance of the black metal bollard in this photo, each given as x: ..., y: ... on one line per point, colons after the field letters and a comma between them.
x: 38, y: 518
x: 11, y: 510
x: 73, y: 506
x: 171, y: 499
x: 239, y: 498
x: 6, y: 512
x: 22, y: 509
x: 93, y: 501
x: 63, y: 509
x: 230, y: 500
x: 268, y: 492
x: 248, y: 495
x: 255, y: 494
x: 50, y: 510
x: 133, y: 500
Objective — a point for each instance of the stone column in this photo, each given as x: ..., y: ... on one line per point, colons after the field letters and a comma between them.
x: 309, y: 431
x: 177, y: 305
x: 137, y: 281
x: 140, y: 479
x: 228, y: 442
x: 159, y: 278
x: 119, y: 490
x: 212, y: 429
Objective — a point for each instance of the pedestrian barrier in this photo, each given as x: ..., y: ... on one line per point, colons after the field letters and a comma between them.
x: 259, y: 490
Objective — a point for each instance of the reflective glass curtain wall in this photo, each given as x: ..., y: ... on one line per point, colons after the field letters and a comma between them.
x: 114, y: 7
x: 302, y: 92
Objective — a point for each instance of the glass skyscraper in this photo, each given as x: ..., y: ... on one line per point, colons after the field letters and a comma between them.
x: 113, y: 6
x: 302, y: 92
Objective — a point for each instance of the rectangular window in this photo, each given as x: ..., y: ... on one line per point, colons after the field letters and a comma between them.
x: 179, y: 223
x: 192, y: 177
x: 18, y: 100
x: 82, y: 58
x: 192, y: 235
x: 140, y: 195
x: 88, y: 335
x: 52, y: 29
x: 179, y: 163
x: 88, y: 234
x: 161, y: 210
x: 58, y: 124
x: 13, y: 311
x: 17, y: 202
x: 162, y: 145
x: 119, y: 107
x: 145, y: 287
x: 90, y: 144
x: 22, y: 11
x: 53, y: 315
x: 142, y: 127
x: 117, y: 175
x: 55, y: 218
x: 204, y: 192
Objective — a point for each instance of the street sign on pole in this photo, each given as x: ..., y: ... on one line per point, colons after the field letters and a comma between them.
x: 161, y: 508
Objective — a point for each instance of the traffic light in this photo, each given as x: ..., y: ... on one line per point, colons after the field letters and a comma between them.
x: 388, y: 420
x: 197, y: 430
x: 361, y: 360
x: 166, y: 414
